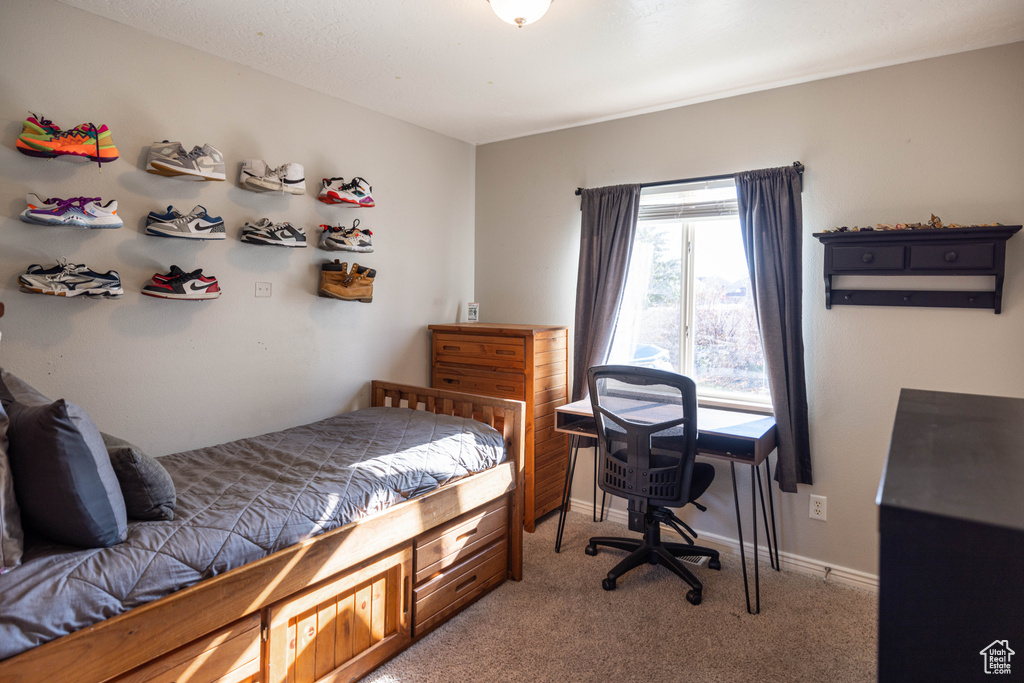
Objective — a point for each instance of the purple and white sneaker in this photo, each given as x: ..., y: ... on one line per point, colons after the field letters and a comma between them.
x: 34, y: 202
x: 82, y: 212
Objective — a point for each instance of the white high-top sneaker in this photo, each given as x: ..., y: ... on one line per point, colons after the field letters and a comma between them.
x: 288, y: 178
x: 252, y: 168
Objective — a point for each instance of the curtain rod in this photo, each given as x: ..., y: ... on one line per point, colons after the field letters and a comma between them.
x: 796, y: 164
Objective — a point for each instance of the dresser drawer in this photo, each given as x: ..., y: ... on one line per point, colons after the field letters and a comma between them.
x: 492, y: 352
x: 480, y: 381
x: 868, y: 258
x: 451, y: 543
x: 952, y: 256
x: 230, y: 655
x: 438, y: 598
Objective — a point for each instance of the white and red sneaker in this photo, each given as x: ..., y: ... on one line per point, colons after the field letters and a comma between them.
x: 178, y: 284
x: 353, y: 193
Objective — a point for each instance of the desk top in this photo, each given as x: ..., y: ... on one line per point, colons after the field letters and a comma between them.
x: 725, y: 434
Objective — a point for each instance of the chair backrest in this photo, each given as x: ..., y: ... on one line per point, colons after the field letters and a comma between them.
x: 647, y: 432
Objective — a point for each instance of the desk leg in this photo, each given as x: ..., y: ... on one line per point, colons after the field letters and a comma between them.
x: 773, y: 541
x: 739, y: 532
x: 574, y: 450
x: 771, y: 508
x: 755, y: 474
x: 597, y: 466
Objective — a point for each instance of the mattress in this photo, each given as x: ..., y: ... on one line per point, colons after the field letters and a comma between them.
x: 238, y: 502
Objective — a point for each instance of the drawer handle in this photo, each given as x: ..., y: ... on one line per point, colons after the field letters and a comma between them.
x: 452, y: 348
x: 950, y: 256
x: 868, y: 257
x: 462, y: 537
x: 449, y: 380
x: 504, y: 352
x: 504, y: 387
x: 466, y: 584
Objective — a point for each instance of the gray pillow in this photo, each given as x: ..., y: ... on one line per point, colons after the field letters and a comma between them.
x: 11, y: 538
x: 147, y: 488
x: 63, y: 480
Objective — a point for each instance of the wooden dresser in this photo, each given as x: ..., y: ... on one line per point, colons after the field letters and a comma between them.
x: 523, y: 362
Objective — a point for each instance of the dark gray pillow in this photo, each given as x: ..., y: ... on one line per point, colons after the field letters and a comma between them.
x: 147, y: 488
x: 63, y: 480
x: 11, y: 537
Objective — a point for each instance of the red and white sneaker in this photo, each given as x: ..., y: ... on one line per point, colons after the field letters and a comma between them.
x: 178, y: 284
x: 353, y: 193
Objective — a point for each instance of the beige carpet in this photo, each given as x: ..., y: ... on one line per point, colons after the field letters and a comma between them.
x: 559, y: 625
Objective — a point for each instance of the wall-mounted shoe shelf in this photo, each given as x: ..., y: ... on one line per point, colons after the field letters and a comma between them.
x: 944, y: 251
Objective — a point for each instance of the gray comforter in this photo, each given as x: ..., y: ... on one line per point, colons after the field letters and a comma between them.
x: 238, y: 502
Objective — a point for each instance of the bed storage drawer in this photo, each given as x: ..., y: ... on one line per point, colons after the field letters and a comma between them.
x: 230, y: 655
x: 451, y: 543
x: 344, y: 626
x: 446, y: 593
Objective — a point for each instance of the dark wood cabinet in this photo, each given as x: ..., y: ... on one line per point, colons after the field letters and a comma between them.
x: 946, y: 251
x: 951, y: 524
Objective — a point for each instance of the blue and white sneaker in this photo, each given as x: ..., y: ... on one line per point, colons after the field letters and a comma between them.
x: 82, y: 212
x: 197, y: 225
x: 67, y: 279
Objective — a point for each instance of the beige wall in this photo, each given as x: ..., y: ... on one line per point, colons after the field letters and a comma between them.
x: 943, y: 136
x: 175, y: 375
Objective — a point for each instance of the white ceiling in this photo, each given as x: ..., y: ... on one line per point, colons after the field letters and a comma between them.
x: 453, y: 67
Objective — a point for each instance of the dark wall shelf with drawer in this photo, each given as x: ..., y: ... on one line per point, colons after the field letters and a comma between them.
x: 945, y: 251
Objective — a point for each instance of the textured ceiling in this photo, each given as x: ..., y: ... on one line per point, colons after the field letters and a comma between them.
x: 453, y: 67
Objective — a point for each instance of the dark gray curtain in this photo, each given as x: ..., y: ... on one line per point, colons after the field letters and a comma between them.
x: 770, y: 216
x: 606, y: 240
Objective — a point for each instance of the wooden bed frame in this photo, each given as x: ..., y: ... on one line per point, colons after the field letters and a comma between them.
x: 328, y: 609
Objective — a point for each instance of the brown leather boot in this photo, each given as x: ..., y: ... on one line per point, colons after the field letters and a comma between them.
x: 332, y: 274
x: 357, y: 285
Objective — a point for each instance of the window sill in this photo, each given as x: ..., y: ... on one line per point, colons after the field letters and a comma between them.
x: 738, y: 406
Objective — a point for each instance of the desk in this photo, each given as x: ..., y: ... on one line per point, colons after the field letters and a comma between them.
x: 728, y: 435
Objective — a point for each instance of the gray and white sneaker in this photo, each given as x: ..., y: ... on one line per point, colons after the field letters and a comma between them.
x: 163, y: 151
x: 68, y: 279
x: 276, y: 234
x: 288, y: 178
x: 203, y: 162
x: 197, y: 225
x: 340, y: 238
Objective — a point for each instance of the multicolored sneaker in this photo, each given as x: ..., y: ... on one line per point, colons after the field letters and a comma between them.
x: 83, y: 212
x: 66, y: 279
x: 178, y: 284
x: 36, y: 129
x: 84, y: 140
x: 340, y: 238
x: 34, y: 202
x: 163, y: 151
x: 197, y: 225
x: 257, y: 176
x: 155, y: 217
x: 277, y: 234
x: 353, y: 193
x: 203, y: 162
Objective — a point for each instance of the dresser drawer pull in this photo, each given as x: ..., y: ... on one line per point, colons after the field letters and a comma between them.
x: 466, y: 584
x: 462, y: 537
x: 449, y: 380
x: 504, y: 352
x: 950, y: 256
x: 451, y: 348
x: 868, y: 257
x: 504, y: 387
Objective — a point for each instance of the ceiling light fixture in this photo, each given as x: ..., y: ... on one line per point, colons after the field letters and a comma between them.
x: 520, y: 12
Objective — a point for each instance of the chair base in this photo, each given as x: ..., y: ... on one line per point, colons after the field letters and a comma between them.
x: 650, y: 550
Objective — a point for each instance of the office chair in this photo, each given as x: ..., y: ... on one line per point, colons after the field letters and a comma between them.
x: 647, y: 442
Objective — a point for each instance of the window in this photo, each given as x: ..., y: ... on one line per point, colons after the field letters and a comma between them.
x: 687, y: 305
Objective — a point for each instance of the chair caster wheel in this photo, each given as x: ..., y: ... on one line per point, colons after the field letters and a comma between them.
x: 714, y: 563
x: 693, y: 597
x: 591, y: 550
x: 609, y: 585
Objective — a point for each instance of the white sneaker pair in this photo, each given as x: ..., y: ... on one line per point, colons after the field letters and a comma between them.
x: 258, y: 177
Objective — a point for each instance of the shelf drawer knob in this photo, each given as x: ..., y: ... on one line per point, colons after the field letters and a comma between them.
x: 950, y: 256
x: 868, y: 257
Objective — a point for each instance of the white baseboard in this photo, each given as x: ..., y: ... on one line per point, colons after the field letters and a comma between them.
x: 797, y: 563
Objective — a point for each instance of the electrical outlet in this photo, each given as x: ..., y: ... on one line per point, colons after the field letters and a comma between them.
x: 263, y: 289
x: 819, y: 508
